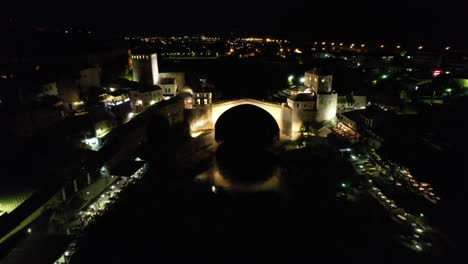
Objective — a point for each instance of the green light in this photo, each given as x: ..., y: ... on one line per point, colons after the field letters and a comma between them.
x: 384, y: 76
x: 374, y: 82
x: 448, y: 90
x: 421, y: 215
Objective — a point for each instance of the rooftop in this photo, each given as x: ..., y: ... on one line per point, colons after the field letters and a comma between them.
x: 167, y: 81
x: 302, y: 97
x: 148, y: 88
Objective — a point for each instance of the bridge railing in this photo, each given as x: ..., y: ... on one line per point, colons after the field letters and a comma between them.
x: 245, y: 98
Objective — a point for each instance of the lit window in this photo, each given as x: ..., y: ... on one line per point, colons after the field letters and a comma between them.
x: 205, y: 101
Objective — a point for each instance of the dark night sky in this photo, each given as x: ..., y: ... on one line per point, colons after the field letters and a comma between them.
x: 353, y: 20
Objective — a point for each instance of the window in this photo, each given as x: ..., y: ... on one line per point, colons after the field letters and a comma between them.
x: 198, y: 101
x: 205, y: 101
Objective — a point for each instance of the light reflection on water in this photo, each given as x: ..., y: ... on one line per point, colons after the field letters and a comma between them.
x: 252, y: 171
x: 213, y: 177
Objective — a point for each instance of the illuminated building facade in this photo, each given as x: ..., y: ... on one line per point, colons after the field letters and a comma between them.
x: 326, y: 106
x: 314, y: 102
x: 350, y: 103
x: 115, y: 98
x: 145, y: 96
x: 318, y: 83
x: 171, y: 83
x: 118, y: 102
x: 200, y: 99
x: 299, y: 110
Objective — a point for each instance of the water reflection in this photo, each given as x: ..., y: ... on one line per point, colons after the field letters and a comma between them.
x: 237, y: 168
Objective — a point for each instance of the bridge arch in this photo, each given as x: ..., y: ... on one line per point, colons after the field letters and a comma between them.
x: 273, y: 109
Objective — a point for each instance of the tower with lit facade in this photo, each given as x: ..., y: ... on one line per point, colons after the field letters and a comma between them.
x: 145, y: 68
x: 327, y: 98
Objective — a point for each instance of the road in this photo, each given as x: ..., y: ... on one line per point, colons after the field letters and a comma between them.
x: 96, y: 208
x: 370, y: 168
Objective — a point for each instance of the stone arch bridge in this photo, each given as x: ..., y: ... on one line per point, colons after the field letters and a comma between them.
x: 274, y: 109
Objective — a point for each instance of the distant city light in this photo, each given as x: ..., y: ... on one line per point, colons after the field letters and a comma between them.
x: 416, y: 88
x: 29, y: 230
x: 139, y: 102
x: 398, y: 46
x: 298, y: 51
x: 447, y: 48
x: 324, y: 42
x: 302, y: 80
x: 341, y: 44
x: 437, y: 72
x: 290, y: 78
x: 382, y: 46
x: 420, y: 47
x: 421, y: 215
x: 213, y: 189
x: 384, y: 76
x: 363, y: 45
x: 152, y: 102
x: 343, y: 185
x: 131, y: 114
